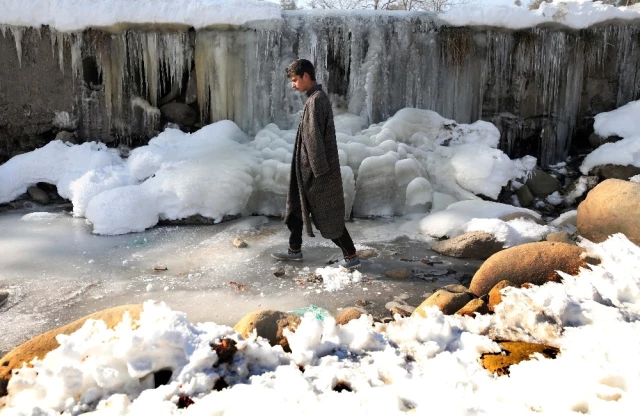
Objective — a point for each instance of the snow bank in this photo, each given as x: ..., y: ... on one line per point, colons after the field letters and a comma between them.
x: 74, y: 15
x: 413, y: 162
x: 62, y: 164
x: 574, y: 14
x: 206, y: 173
x: 414, y: 364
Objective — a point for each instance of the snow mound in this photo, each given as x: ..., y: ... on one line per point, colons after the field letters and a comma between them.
x: 624, y: 152
x: 414, y: 162
x: 452, y: 220
x: 623, y: 121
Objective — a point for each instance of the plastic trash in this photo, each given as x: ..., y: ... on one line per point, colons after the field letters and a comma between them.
x: 318, y: 312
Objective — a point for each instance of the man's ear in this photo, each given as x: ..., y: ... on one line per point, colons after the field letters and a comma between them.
x: 306, y: 76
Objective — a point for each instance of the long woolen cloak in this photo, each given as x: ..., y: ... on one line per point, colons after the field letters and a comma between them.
x: 315, y: 188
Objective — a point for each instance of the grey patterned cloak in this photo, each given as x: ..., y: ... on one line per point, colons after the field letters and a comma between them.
x: 315, y: 188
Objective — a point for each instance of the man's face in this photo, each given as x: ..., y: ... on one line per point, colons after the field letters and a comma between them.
x: 301, y: 83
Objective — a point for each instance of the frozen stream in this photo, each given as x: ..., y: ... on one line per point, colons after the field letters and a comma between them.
x: 56, y: 270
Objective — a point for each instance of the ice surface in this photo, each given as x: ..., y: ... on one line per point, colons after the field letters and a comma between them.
x: 56, y: 270
x: 388, y: 368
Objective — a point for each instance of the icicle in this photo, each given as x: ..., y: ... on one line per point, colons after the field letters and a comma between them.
x: 3, y: 30
x: 150, y: 56
x: 204, y: 66
x: 17, y: 33
x: 60, y: 40
x: 75, y: 40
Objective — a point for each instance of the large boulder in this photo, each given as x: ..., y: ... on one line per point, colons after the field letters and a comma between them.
x: 615, y: 171
x: 542, y: 184
x: 448, y: 299
x: 535, y: 263
x: 44, y: 343
x: 269, y: 324
x: 611, y: 207
x: 473, y: 245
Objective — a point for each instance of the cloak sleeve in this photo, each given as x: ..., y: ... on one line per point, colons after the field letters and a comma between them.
x: 313, y: 139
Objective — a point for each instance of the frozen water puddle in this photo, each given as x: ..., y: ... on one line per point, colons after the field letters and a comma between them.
x: 56, y: 270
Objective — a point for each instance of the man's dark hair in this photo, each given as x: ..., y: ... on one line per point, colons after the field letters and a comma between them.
x: 299, y: 67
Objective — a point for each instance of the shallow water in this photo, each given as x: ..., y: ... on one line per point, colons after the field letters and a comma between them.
x: 56, y: 270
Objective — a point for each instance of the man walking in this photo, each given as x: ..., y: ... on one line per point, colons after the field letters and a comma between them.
x: 315, y: 188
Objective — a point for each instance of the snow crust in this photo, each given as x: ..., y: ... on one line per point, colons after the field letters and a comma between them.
x: 424, y: 365
x: 75, y: 15
x: 578, y: 14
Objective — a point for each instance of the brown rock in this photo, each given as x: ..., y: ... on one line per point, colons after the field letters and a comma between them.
x: 611, y: 207
x: 615, y: 171
x: 366, y: 254
x: 396, y: 310
x: 523, y: 216
x: 397, y: 274
x: 495, y: 297
x: 268, y: 324
x: 448, y: 299
x: 528, y: 263
x: 239, y: 243
x: 513, y: 353
x: 348, y: 315
x: 473, y: 245
x: 472, y: 307
x: 560, y: 237
x: 44, y: 343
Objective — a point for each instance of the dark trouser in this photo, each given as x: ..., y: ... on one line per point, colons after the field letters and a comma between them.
x: 296, y: 226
